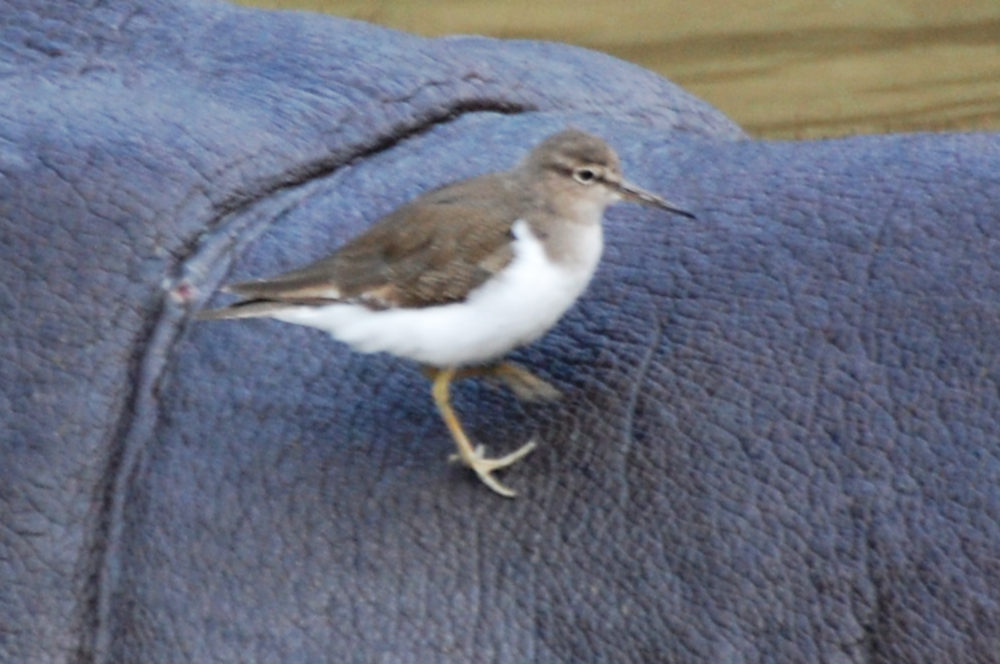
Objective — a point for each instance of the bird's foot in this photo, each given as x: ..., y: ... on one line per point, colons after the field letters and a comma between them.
x: 484, y: 466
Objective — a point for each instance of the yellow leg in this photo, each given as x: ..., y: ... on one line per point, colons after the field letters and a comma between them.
x: 525, y: 385
x: 472, y: 456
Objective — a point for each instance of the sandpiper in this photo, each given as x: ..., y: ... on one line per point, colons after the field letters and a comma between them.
x: 463, y: 274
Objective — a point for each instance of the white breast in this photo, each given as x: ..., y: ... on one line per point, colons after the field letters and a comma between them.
x: 514, y: 308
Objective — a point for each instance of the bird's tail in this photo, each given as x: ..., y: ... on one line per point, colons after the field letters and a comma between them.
x: 245, y: 309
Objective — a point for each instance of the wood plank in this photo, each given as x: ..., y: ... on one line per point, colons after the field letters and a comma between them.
x: 782, y: 69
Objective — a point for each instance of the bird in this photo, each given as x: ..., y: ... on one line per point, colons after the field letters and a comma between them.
x: 463, y: 274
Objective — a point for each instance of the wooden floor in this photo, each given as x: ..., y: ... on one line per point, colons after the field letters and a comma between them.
x: 780, y: 68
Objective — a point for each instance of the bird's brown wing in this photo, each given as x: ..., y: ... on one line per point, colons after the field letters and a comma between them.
x: 432, y: 251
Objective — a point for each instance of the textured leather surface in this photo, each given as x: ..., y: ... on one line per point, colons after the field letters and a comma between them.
x: 779, y: 435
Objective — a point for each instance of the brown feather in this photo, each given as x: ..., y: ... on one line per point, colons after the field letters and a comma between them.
x: 442, y: 245
x: 431, y: 251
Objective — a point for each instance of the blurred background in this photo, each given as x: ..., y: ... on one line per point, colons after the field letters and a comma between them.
x: 780, y: 68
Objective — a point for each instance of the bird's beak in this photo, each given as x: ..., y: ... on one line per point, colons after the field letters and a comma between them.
x: 630, y: 192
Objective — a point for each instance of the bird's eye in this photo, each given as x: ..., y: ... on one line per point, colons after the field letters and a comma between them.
x: 584, y: 175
